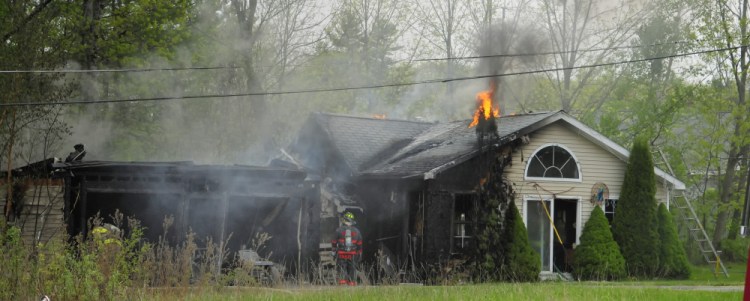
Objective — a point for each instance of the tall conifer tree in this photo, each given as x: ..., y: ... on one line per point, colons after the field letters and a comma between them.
x: 674, y: 263
x: 635, y: 224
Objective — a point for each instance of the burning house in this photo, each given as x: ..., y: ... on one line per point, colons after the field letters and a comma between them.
x: 418, y: 188
x: 419, y: 185
x: 230, y: 205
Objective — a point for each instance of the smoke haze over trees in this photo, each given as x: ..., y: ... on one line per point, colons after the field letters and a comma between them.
x: 691, y: 107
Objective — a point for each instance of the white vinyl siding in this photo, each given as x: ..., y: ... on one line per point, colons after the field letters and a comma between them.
x: 596, y: 165
x: 41, y: 219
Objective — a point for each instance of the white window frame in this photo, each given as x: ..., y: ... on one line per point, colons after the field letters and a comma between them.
x: 579, y: 224
x: 572, y: 155
x: 604, y: 206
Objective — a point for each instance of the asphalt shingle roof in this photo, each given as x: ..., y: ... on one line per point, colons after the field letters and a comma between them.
x: 383, y: 147
x: 446, y: 143
x: 360, y: 139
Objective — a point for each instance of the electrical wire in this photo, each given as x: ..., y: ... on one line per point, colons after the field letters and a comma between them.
x: 417, y: 60
x: 118, y: 70
x: 431, y: 81
x: 553, y: 52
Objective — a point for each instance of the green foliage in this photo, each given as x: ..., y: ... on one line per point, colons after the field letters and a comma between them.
x: 12, y: 273
x: 635, y: 224
x: 598, y: 256
x: 521, y: 262
x: 734, y: 250
x: 110, y: 265
x: 503, y: 251
x: 673, y: 260
x: 491, y: 246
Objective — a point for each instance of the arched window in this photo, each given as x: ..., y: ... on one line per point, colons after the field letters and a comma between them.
x: 553, y: 162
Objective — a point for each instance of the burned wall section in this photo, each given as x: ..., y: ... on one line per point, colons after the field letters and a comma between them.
x: 230, y: 204
x: 452, y: 212
x: 385, y: 222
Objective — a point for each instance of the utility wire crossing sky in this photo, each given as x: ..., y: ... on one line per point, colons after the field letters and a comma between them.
x: 431, y: 81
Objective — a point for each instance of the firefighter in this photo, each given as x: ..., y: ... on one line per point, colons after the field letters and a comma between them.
x: 347, y: 249
x: 77, y: 155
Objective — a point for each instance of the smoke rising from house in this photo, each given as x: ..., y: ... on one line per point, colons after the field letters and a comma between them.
x: 502, y: 48
x: 250, y: 130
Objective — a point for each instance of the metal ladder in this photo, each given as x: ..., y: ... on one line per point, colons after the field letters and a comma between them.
x: 698, y: 233
x: 695, y: 228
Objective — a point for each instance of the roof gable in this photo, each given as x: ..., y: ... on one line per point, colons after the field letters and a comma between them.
x: 358, y: 140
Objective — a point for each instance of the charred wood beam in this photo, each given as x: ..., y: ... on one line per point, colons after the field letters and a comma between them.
x: 124, y: 190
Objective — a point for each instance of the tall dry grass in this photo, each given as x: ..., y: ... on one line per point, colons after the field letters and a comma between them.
x: 112, y: 264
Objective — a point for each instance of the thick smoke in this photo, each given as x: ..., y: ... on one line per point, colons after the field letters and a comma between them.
x: 508, y: 48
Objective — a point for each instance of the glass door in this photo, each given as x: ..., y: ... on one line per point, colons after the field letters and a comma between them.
x: 539, y: 229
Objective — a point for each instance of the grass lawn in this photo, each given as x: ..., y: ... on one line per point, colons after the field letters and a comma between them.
x: 503, y: 291
x: 703, y: 285
x: 704, y: 275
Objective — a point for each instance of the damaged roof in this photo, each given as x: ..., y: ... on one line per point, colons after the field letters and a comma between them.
x: 446, y: 144
x: 398, y: 148
x: 178, y: 167
x: 362, y: 141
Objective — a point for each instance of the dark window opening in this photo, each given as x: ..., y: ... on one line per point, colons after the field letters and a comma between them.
x: 609, y: 209
x: 553, y: 162
x: 565, y: 215
x: 464, y: 215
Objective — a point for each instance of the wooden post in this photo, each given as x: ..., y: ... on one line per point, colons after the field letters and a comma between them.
x: 84, y: 199
x: 9, y: 183
x: 223, y: 209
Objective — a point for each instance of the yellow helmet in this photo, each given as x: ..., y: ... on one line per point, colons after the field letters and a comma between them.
x: 349, y: 216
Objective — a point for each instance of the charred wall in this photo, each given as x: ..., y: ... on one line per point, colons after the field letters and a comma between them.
x: 450, y: 211
x: 229, y: 204
x: 386, y: 215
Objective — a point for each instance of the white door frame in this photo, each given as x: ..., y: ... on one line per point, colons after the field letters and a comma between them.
x: 551, y: 199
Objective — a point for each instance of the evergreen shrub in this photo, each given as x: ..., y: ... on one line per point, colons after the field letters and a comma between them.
x: 598, y: 256
x: 673, y: 259
x: 521, y: 263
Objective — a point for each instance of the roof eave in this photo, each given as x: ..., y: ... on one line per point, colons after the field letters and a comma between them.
x: 614, y: 148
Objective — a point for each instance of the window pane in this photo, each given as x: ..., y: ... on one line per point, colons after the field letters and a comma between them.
x: 609, y: 209
x: 553, y: 173
x: 553, y: 162
x: 570, y: 170
x: 547, y: 155
x: 535, y: 168
x: 538, y: 228
x: 463, y: 214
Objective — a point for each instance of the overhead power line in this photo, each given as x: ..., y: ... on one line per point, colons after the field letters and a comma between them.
x: 431, y: 81
x: 118, y: 70
x: 262, y: 66
x: 552, y: 52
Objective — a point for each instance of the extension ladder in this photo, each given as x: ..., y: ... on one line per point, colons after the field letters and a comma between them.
x: 695, y: 228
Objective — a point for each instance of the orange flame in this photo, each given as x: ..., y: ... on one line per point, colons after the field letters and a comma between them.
x: 378, y: 116
x: 485, y: 107
x: 483, y: 180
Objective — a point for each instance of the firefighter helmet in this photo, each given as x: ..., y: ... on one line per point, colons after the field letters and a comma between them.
x: 348, y: 216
